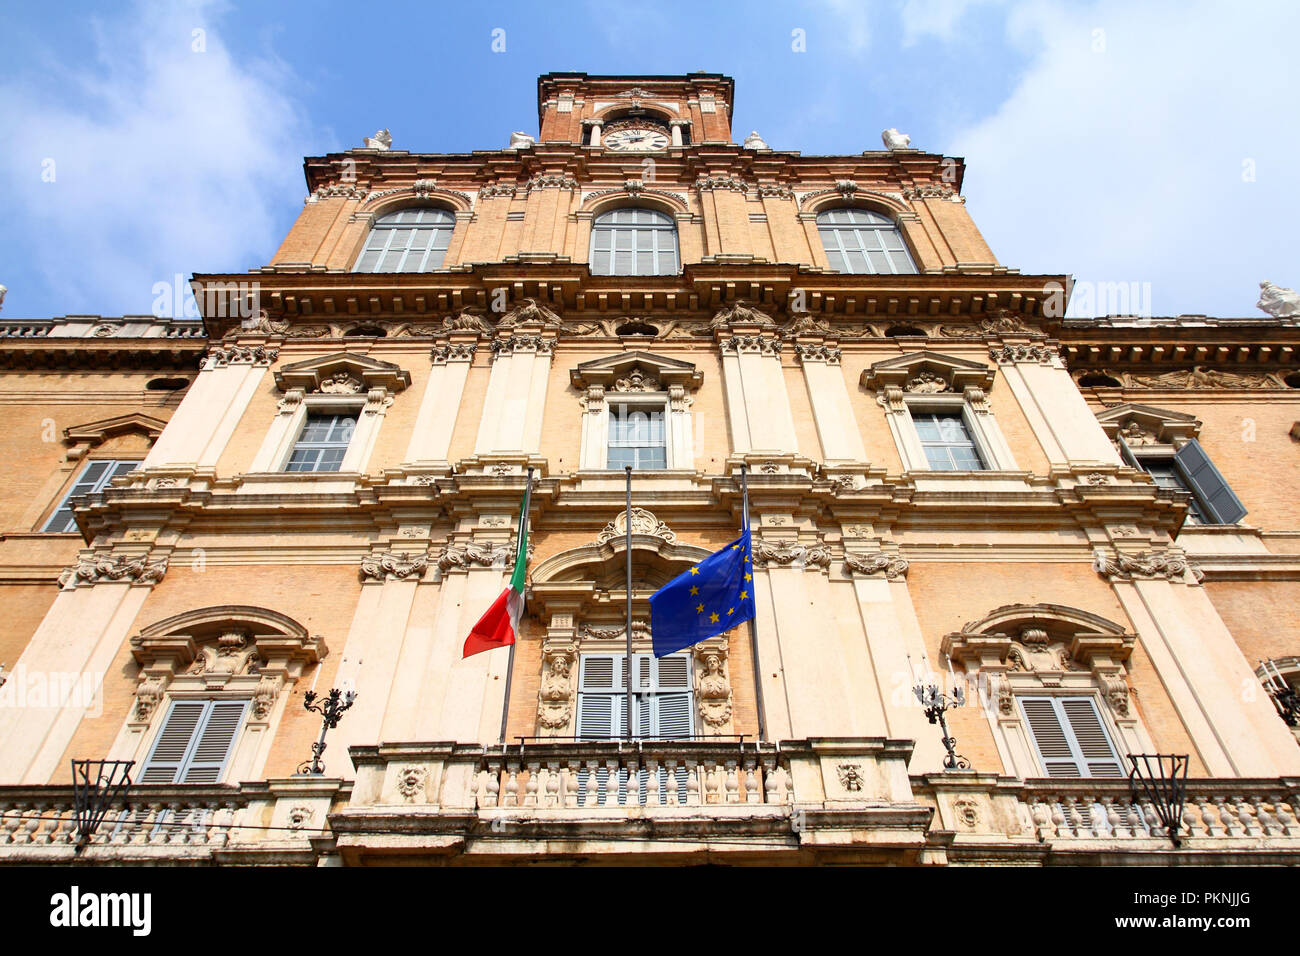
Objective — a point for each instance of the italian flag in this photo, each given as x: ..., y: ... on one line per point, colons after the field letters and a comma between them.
x: 498, y: 627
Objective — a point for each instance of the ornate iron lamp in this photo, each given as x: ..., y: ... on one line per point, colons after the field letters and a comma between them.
x: 936, y: 704
x: 1161, y: 779
x: 96, y: 784
x: 1283, y: 695
x: 331, y: 708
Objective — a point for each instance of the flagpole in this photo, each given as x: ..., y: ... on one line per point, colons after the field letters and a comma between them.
x: 753, y: 631
x: 520, y: 544
x: 627, y: 539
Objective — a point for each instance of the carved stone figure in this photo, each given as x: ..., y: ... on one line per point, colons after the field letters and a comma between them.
x: 340, y: 383
x: 381, y: 140
x: 466, y: 322
x: 1134, y: 434
x: 754, y: 141
x: 713, y: 691
x: 643, y: 522
x: 1276, y: 301
x: 410, y: 782
x: 520, y: 140
x: 804, y: 323
x: 556, y: 693
x: 927, y: 383
x: 893, y: 139
x: 741, y: 312
x: 3, y: 290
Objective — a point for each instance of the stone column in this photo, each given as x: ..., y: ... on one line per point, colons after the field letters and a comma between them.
x: 434, y: 423
x: 841, y: 440
x: 1061, y: 420
x: 57, y: 682
x: 197, y: 433
x: 675, y: 129
x: 595, y: 125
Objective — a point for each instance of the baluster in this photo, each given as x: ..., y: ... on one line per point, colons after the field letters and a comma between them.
x: 59, y: 817
x: 591, y: 795
x: 512, y: 786
x: 709, y: 776
x: 1114, y: 823
x: 1267, y: 820
x: 1059, y: 826
x: 1246, y: 812
x: 733, y: 783
x: 1227, y: 817
x: 8, y: 822
x: 784, y: 784
x: 553, y: 784
x: 31, y: 819
x: 1211, y: 822
x: 611, y: 783
x: 670, y: 766
x: 633, y: 796
x: 693, y: 771
x: 530, y: 789
x: 492, y: 786
x: 1286, y: 816
x: 752, y: 794
x: 652, y: 797
x: 1041, y: 814
x: 176, y: 823
x: 223, y: 818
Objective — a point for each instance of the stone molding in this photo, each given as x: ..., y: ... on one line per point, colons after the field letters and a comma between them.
x: 102, y: 568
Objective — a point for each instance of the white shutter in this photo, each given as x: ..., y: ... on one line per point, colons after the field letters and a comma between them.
x: 195, y: 742
x: 1070, y: 738
x: 1205, y: 481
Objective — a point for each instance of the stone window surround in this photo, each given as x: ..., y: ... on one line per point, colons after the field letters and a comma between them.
x: 368, y: 388
x: 1046, y: 651
x: 226, y: 652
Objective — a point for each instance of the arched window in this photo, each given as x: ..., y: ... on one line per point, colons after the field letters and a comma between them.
x: 409, y: 240
x: 863, y: 242
x: 633, y: 242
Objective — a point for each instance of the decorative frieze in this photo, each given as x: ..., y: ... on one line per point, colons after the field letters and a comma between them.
x: 751, y: 344
x: 339, y: 191
x: 774, y: 554
x: 1170, y: 565
x: 101, y: 568
x: 707, y: 184
x: 552, y: 181
x: 522, y: 343
x: 530, y: 312
x: 929, y: 191
x: 463, y: 557
x: 498, y: 190
x: 891, y: 564
x: 635, y: 188
x: 391, y: 566
x: 769, y: 191
x: 220, y: 356
x: 640, y: 631
x: 1040, y: 354
x: 740, y: 312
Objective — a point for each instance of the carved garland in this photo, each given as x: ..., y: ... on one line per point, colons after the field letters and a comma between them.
x: 1146, y: 564
x: 810, y: 558
x: 100, y: 568
x: 891, y: 564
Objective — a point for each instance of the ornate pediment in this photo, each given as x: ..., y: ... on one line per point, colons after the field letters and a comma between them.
x: 342, y: 373
x: 1142, y: 425
x: 928, y: 372
x: 636, y: 372
x: 1040, y: 637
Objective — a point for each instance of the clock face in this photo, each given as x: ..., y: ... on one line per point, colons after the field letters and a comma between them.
x: 635, y: 139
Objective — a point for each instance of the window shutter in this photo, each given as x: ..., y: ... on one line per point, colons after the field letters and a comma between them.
x: 1090, y: 736
x: 1208, y: 484
x: 1126, y: 453
x: 596, y: 716
x: 674, y: 672
x: 173, y: 743
x: 672, y: 716
x: 215, y: 741
x: 1049, y: 737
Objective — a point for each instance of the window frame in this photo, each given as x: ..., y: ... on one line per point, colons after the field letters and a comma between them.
x: 993, y: 451
x: 926, y: 444
x: 353, y: 413
x: 378, y: 225
x: 1202, y: 512
x: 104, y: 481
x: 875, y: 228
x: 656, y: 402
x: 668, y: 226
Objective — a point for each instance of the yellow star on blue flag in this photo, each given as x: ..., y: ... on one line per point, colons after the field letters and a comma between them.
x: 704, y: 600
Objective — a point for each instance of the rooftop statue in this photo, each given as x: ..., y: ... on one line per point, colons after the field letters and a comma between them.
x: 1276, y: 301
x: 381, y: 140
x: 894, y: 139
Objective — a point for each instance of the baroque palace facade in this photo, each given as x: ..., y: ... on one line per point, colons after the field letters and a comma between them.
x: 1088, y: 525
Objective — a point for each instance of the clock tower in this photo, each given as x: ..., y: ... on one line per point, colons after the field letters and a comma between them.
x: 635, y: 114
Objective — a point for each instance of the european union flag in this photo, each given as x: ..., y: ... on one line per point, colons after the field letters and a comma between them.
x: 707, y: 599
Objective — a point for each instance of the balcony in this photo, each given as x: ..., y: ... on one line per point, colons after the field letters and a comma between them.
x: 838, y: 800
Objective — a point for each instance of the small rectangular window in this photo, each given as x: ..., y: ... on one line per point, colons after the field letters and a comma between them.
x: 323, y: 443
x: 637, y: 437
x: 1190, y: 470
x: 94, y: 478
x: 947, y: 442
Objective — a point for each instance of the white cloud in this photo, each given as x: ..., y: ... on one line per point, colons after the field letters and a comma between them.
x: 852, y: 27
x: 167, y: 159
x: 1120, y: 155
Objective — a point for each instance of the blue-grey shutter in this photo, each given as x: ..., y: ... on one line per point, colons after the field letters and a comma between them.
x: 1070, y: 738
x: 214, y: 741
x: 173, y: 744
x: 1090, y: 737
x: 1049, y: 736
x: 1208, y: 484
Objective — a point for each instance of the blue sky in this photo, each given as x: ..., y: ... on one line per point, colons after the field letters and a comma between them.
x: 1119, y: 142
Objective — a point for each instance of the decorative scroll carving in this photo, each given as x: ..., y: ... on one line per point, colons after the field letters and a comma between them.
x: 1007, y: 354
x: 392, y: 566
x: 709, y: 183
x: 484, y: 555
x: 340, y: 383
x: 768, y: 553
x: 552, y: 181
x: 99, y: 568
x: 453, y: 352
x: 927, y: 383
x: 638, y: 381
x: 741, y: 312
x: 929, y: 191
x: 818, y: 353
x: 1146, y: 564
x: 775, y: 192
x: 635, y: 188
x: 643, y: 522
x: 640, y: 631
x: 891, y: 564
x: 339, y: 191
x: 522, y: 343
x: 497, y: 190
x: 221, y: 356
x: 756, y: 344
